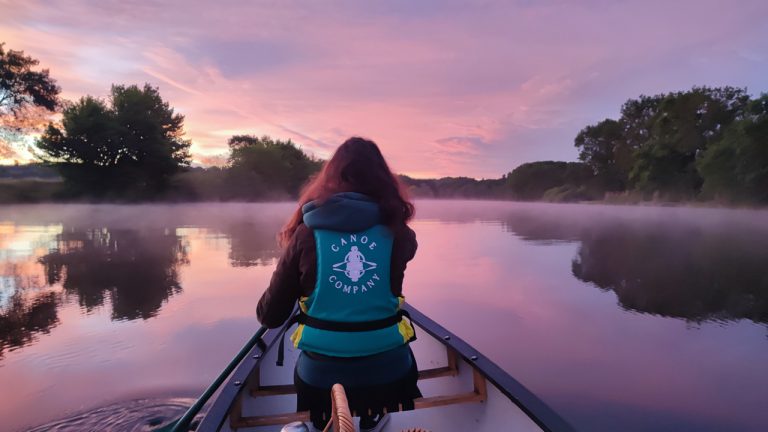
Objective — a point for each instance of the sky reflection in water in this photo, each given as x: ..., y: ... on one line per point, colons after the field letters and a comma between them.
x: 622, y: 318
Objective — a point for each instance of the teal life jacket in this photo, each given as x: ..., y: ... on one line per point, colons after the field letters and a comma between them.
x: 352, y: 290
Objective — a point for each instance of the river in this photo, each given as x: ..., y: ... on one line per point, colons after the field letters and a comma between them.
x: 619, y: 317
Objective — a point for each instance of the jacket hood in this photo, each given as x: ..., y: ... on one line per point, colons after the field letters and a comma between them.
x: 346, y: 211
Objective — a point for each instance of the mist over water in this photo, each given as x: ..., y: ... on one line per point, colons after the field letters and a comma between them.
x: 621, y: 318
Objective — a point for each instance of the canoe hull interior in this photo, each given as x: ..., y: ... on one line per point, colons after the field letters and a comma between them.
x: 495, y: 413
x: 463, y: 390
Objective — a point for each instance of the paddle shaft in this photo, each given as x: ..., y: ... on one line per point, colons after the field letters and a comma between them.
x: 182, y: 424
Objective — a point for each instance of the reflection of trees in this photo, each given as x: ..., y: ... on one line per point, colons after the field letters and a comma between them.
x: 22, y: 318
x: 693, y: 271
x: 26, y: 308
x: 252, y: 244
x: 132, y: 266
x: 138, y: 270
x: 692, y: 274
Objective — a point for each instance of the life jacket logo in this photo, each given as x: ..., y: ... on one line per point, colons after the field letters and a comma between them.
x: 354, y: 265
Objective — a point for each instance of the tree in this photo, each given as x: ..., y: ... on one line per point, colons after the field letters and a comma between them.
x: 530, y: 181
x: 736, y: 166
x: 261, y: 167
x: 26, y: 97
x: 637, y: 116
x: 130, y: 144
x: 655, y: 145
x: 603, y: 148
x: 682, y: 127
x: 609, y: 147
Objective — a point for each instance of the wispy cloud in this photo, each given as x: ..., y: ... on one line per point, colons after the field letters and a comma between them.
x: 446, y: 87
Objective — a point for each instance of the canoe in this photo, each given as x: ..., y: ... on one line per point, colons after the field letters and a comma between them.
x: 463, y: 390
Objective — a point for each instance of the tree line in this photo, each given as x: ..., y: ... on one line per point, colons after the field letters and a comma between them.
x: 704, y: 143
x: 701, y: 144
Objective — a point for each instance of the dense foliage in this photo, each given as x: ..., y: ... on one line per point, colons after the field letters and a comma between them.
x: 702, y: 143
x: 453, y: 187
x: 258, y: 168
x: 532, y: 181
x: 260, y: 165
x: 547, y: 180
x: 128, y: 146
x: 736, y: 166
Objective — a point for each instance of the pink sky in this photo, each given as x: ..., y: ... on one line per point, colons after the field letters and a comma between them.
x: 446, y: 88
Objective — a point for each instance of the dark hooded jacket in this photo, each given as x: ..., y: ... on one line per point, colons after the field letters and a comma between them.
x: 296, y: 271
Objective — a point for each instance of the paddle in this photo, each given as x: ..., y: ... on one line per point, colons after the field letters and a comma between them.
x: 182, y: 424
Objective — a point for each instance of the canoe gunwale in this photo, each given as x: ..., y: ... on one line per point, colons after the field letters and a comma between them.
x: 220, y: 408
x: 538, y: 411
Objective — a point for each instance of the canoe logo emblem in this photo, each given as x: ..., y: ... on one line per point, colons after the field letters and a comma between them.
x: 354, y: 265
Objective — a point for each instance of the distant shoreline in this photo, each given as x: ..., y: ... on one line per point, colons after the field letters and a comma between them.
x: 40, y: 192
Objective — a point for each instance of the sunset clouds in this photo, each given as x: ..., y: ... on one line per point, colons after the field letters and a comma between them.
x: 446, y: 88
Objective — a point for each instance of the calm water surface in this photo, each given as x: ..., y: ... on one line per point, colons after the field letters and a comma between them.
x: 621, y: 318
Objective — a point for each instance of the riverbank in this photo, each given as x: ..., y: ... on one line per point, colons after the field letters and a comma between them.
x: 53, y: 191
x: 30, y: 190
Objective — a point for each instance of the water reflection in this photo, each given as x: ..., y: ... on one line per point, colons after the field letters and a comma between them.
x: 251, y: 244
x: 24, y: 316
x: 693, y: 270
x: 692, y: 274
x: 78, y: 274
x: 127, y: 262
x: 137, y: 270
x: 28, y: 307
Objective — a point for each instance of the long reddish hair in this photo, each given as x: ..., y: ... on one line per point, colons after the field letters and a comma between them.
x: 356, y: 166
